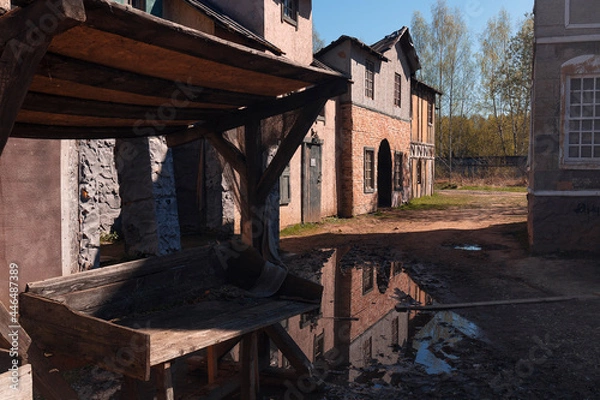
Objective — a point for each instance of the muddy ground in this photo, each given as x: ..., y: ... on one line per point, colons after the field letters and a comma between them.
x: 535, y: 351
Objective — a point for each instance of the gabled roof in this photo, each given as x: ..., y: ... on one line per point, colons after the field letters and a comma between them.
x: 354, y: 41
x: 417, y: 84
x: 402, y: 36
x: 231, y: 25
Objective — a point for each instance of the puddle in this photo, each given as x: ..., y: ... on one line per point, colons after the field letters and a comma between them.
x: 468, y: 247
x: 436, y: 340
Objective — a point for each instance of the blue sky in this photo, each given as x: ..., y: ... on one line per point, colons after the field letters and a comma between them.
x: 371, y: 20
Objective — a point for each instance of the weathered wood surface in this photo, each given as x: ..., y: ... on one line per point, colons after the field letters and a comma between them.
x: 186, y: 329
x: 21, y: 55
x: 164, y: 381
x: 9, y: 325
x: 15, y: 384
x: 56, y: 328
x: 33, y: 131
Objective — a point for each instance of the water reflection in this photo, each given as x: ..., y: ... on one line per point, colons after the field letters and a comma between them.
x: 357, y: 324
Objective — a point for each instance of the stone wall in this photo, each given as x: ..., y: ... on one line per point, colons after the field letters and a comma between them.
x: 362, y: 128
x: 99, y: 199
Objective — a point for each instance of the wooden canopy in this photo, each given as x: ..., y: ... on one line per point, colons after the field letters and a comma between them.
x: 97, y: 69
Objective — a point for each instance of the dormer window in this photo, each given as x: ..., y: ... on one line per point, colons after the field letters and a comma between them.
x: 289, y: 11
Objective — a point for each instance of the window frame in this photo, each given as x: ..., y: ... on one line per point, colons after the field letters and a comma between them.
x: 285, y: 180
x: 397, y: 90
x: 369, y: 175
x: 289, y: 11
x: 138, y: 4
x: 592, y: 129
x: 370, y: 79
x: 398, y: 171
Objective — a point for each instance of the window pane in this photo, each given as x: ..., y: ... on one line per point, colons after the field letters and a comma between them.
x: 573, y: 151
x: 597, y: 138
x: 574, y: 138
x: 588, y: 97
x: 588, y: 84
x: 575, y: 84
x: 586, y: 125
x: 597, y: 96
x: 588, y: 111
x: 575, y: 97
x: 597, y: 111
x: 586, y: 151
x: 586, y: 138
x: 597, y: 152
x: 575, y: 111
x: 575, y: 125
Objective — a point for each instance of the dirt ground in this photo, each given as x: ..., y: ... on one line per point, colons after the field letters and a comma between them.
x: 534, y: 351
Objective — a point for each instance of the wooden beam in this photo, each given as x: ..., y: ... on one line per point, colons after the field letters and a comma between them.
x: 131, y: 23
x: 290, y: 350
x: 36, y: 131
x: 229, y: 151
x: 288, y: 147
x: 73, y: 70
x: 26, y: 35
x: 251, y: 234
x: 262, y: 110
x: 145, y: 114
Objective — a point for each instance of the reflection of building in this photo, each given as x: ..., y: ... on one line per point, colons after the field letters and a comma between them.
x: 564, y: 183
x: 357, y: 321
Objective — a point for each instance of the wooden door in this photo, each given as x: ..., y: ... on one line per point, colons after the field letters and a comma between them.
x: 311, y: 182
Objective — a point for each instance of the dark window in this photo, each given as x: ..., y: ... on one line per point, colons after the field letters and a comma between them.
x: 139, y: 4
x: 289, y: 11
x: 370, y: 79
x: 369, y: 170
x: 582, y: 139
x: 395, y: 338
x: 285, y: 190
x: 319, y: 346
x: 419, y: 171
x: 398, y: 90
x: 398, y: 175
x: 367, y: 350
x: 367, y: 278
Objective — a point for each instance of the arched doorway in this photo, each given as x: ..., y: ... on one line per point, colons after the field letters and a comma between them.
x: 384, y: 175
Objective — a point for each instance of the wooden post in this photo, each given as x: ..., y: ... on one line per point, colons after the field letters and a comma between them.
x: 249, y: 361
x: 164, y: 382
x: 251, y: 223
x: 26, y: 37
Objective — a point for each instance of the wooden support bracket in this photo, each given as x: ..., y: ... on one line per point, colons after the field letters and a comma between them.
x: 164, y: 381
x: 249, y: 361
x: 26, y: 35
x: 290, y: 350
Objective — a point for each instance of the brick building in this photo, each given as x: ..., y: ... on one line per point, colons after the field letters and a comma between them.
x: 376, y: 122
x: 564, y: 183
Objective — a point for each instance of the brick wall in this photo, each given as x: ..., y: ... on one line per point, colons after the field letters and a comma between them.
x: 362, y: 128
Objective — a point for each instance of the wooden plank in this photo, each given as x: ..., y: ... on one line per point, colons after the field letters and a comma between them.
x: 262, y: 110
x: 442, y: 307
x: 22, y: 54
x: 69, y: 69
x: 153, y: 127
x: 22, y: 389
x: 212, y: 364
x: 149, y: 116
x: 55, y: 328
x: 10, y: 329
x: 129, y: 22
x: 290, y: 349
x: 249, y: 361
x: 251, y: 222
x: 288, y: 147
x: 120, y: 272
x: 39, y: 131
x: 164, y: 381
x: 186, y: 329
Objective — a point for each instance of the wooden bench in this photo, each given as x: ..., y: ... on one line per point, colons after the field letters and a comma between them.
x: 139, y: 316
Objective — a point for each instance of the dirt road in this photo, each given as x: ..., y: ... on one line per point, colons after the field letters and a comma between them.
x: 536, y: 351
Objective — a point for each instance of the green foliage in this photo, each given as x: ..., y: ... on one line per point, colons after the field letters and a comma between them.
x: 299, y: 229
x: 109, y: 237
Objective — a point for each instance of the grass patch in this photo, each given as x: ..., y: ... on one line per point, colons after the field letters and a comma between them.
x: 438, y: 202
x: 299, y: 229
